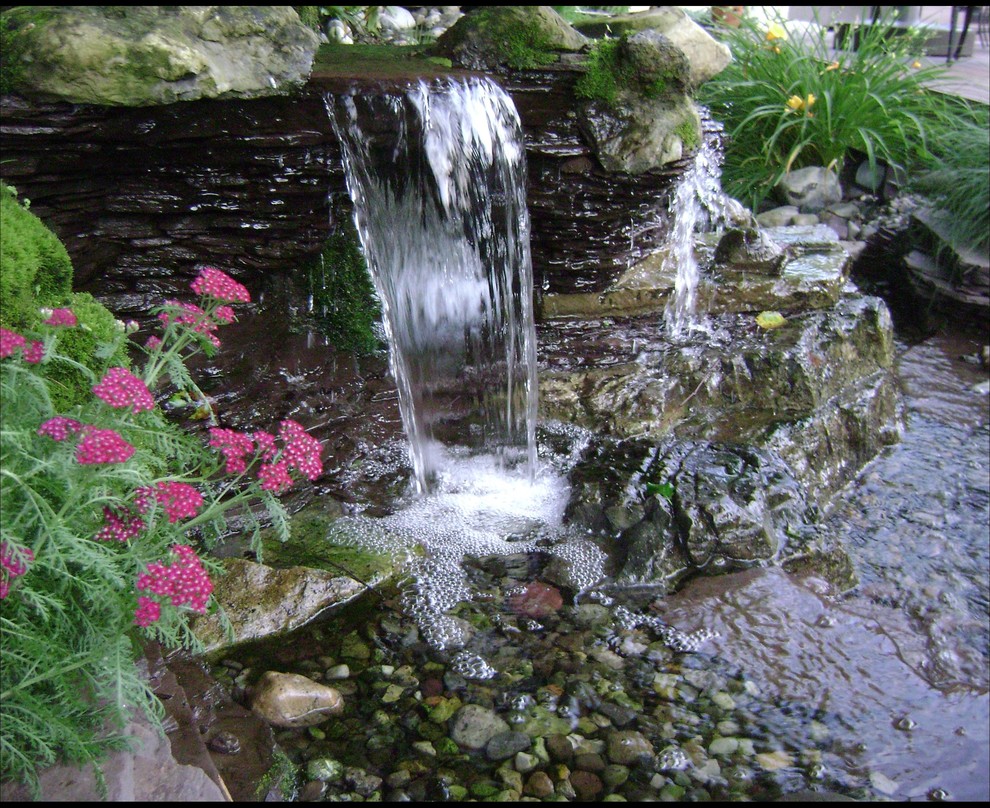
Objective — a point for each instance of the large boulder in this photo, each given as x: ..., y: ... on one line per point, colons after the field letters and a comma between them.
x: 639, y: 115
x: 706, y: 57
x: 148, y: 55
x: 517, y: 37
x: 684, y: 507
x: 260, y: 601
x: 638, y: 134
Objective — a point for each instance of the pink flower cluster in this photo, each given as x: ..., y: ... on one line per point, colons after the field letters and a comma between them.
x: 59, y: 428
x: 102, y: 446
x: 235, y: 446
x: 180, y: 500
x: 184, y: 582
x: 97, y: 445
x: 62, y: 317
x: 219, y: 285
x: 193, y: 316
x: 122, y: 389
x: 13, y: 564
x: 119, y: 525
x: 10, y: 341
x: 301, y: 452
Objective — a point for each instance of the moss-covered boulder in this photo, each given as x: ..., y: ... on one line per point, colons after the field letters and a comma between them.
x: 147, y: 55
x: 36, y: 273
x: 638, y: 134
x: 705, y: 56
x: 517, y: 37
x: 638, y: 114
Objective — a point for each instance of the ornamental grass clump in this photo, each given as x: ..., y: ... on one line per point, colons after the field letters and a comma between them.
x: 788, y: 101
x: 105, y: 510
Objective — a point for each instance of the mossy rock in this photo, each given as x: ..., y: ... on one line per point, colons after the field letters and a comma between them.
x: 705, y: 55
x: 308, y: 546
x: 517, y: 37
x: 146, y: 55
x: 648, y: 64
x: 36, y: 272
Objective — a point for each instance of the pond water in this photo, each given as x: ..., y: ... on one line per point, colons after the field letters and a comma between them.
x: 576, y: 693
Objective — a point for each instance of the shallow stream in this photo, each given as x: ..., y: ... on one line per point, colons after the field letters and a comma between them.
x: 582, y: 691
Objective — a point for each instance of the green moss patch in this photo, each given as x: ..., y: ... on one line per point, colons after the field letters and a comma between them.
x: 654, y: 70
x: 309, y: 546
x: 376, y: 61
x: 344, y: 299
x: 36, y: 272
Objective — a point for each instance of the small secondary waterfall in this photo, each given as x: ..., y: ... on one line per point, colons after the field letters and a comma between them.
x: 698, y: 204
x: 438, y: 178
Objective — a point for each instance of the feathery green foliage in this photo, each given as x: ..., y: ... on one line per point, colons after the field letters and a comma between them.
x: 100, y: 506
x: 787, y: 101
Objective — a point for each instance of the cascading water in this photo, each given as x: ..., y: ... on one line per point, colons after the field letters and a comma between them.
x: 698, y: 204
x: 437, y: 176
x: 439, y: 195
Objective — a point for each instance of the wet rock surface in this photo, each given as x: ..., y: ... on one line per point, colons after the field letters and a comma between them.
x: 292, y: 700
x: 829, y: 367
x: 259, y: 601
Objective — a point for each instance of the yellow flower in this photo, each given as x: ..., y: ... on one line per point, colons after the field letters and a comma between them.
x: 797, y: 103
x: 915, y: 64
x: 776, y: 31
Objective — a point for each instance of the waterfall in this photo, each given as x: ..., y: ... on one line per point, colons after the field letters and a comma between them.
x: 438, y: 179
x: 698, y: 204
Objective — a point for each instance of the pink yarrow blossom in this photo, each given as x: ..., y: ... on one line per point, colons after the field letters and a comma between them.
x: 119, y: 525
x: 62, y: 317
x: 59, y: 427
x: 121, y: 389
x: 184, y: 582
x: 148, y: 611
x: 193, y: 316
x: 13, y: 564
x: 302, y: 450
x: 266, y: 444
x: 275, y: 476
x: 224, y: 314
x: 102, y: 446
x: 10, y: 341
x: 152, y: 343
x: 180, y: 500
x: 34, y: 352
x: 234, y: 445
x: 219, y: 285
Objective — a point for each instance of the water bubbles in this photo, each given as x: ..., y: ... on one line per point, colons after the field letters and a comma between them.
x: 673, y: 638
x: 905, y: 724
x: 672, y: 759
x: 472, y: 666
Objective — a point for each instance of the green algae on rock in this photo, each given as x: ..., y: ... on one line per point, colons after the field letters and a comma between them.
x: 519, y: 37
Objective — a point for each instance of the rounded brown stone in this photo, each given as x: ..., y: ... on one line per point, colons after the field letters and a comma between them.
x: 560, y: 748
x: 587, y: 785
x: 538, y: 785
